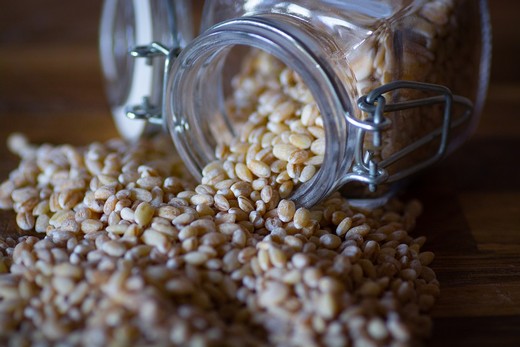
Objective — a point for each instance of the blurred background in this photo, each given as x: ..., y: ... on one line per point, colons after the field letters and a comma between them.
x: 51, y: 88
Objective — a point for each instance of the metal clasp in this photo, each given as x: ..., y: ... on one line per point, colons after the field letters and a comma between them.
x: 146, y: 111
x: 372, y: 171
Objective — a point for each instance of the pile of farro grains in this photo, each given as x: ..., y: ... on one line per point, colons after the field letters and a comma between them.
x: 131, y: 251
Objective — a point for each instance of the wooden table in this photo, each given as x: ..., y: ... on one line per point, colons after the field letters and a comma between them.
x: 51, y: 89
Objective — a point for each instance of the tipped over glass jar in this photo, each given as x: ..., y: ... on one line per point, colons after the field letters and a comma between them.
x: 352, y: 95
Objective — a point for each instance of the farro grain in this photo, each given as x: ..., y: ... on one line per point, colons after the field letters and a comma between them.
x: 286, y: 210
x: 25, y: 220
x: 330, y: 241
x: 196, y: 258
x: 183, y: 219
x: 307, y: 173
x: 426, y: 258
x: 144, y: 213
x: 259, y: 168
x: 327, y: 305
x: 243, y: 173
x: 113, y: 248
x: 302, y: 141
x: 284, y: 151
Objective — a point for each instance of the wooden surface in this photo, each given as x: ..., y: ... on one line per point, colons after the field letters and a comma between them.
x: 51, y: 89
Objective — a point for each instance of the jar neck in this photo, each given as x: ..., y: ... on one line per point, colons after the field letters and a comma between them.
x: 194, y: 84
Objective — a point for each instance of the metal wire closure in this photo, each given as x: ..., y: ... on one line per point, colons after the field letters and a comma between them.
x: 367, y: 169
x: 145, y: 110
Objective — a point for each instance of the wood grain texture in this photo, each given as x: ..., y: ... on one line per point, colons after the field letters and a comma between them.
x: 51, y: 89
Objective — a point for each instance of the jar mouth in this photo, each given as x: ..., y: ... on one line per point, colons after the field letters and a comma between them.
x: 201, y: 62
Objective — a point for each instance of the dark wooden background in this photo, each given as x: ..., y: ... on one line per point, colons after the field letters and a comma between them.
x: 51, y: 89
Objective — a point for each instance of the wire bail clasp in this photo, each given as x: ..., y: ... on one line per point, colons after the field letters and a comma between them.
x: 147, y: 111
x: 367, y: 167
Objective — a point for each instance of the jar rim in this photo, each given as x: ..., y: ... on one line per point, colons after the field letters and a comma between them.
x: 299, y: 51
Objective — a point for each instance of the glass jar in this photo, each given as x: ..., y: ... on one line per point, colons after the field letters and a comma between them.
x: 134, y: 87
x: 398, y: 83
